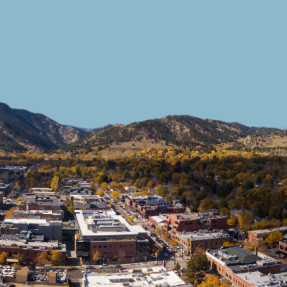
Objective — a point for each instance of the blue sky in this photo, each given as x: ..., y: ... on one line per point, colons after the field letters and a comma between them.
x: 93, y: 63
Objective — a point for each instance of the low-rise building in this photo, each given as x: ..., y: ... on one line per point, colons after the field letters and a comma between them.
x: 111, y: 235
x: 188, y: 222
x: 203, y: 240
x: 135, y: 278
x: 131, y: 188
x: 147, y: 200
x: 35, y: 202
x: 145, y: 211
x: 29, y: 250
x: 255, y: 235
x: 230, y: 262
x: 49, y: 215
x: 157, y: 221
x: 5, y: 188
x: 79, y: 198
x: 52, y: 230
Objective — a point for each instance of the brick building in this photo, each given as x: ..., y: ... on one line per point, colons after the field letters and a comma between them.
x: 49, y: 215
x: 188, y: 222
x: 255, y: 235
x: 111, y: 236
x: 29, y: 250
x: 233, y: 262
x: 146, y: 211
x: 193, y: 240
x: 146, y: 200
x: 35, y: 202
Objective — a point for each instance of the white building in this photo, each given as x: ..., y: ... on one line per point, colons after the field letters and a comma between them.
x: 144, y: 277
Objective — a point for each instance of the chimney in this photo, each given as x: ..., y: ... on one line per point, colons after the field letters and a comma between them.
x: 256, y: 250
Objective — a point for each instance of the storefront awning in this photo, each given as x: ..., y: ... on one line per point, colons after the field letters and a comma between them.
x: 150, y: 223
x: 13, y: 260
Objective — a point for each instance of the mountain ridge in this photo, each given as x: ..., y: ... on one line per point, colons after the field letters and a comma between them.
x: 21, y: 130
x: 179, y: 130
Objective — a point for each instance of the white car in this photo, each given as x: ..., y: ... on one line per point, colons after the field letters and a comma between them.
x: 104, y: 266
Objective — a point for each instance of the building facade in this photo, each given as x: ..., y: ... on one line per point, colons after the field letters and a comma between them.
x: 111, y: 236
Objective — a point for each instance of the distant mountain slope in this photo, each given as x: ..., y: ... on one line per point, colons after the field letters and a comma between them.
x: 22, y: 130
x: 179, y: 130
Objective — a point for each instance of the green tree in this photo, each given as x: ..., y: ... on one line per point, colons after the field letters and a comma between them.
x: 197, y: 268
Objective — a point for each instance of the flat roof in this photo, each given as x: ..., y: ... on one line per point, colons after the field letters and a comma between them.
x: 238, y: 259
x: 17, y: 243
x: 283, y: 228
x: 203, y: 236
x: 131, y: 230
x: 257, y: 279
x: 24, y: 220
x: 134, y: 279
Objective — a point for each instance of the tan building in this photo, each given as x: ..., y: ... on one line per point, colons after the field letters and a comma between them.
x: 255, y: 235
x: 193, y: 240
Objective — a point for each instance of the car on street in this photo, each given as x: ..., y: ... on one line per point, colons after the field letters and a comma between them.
x: 103, y: 266
x: 90, y: 267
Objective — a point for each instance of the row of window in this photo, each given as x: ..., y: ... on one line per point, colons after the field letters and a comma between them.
x: 99, y: 246
x: 115, y: 253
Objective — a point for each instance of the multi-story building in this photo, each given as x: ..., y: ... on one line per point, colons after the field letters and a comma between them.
x: 155, y: 200
x: 80, y: 198
x: 152, y: 277
x: 111, y: 235
x: 283, y: 247
x: 145, y: 211
x: 5, y: 188
x: 34, y: 202
x: 28, y: 250
x: 203, y: 240
x: 255, y: 235
x: 233, y: 263
x: 49, y: 215
x: 52, y: 230
x: 188, y: 222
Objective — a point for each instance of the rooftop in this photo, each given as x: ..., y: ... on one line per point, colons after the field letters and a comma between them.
x: 105, y: 223
x: 33, y: 245
x: 257, y: 279
x: 164, y: 279
x: 238, y: 259
x: 201, y: 235
x: 283, y: 228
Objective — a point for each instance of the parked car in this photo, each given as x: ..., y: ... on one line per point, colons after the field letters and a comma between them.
x: 103, y: 266
x: 90, y: 267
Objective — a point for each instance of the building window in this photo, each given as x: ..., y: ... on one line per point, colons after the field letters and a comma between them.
x: 121, y: 245
x: 131, y: 252
x: 95, y: 246
x: 100, y: 246
x: 105, y: 246
x: 126, y: 245
x: 110, y: 246
x: 131, y: 245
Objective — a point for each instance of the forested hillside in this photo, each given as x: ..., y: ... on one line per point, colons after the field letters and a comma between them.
x: 22, y: 130
x: 178, y: 130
